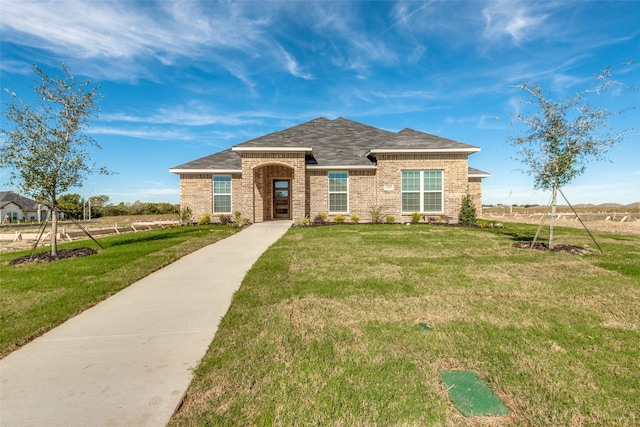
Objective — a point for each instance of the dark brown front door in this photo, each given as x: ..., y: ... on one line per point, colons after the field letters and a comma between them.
x: 281, y: 198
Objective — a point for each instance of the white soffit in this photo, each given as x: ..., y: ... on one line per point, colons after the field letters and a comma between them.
x: 423, y: 150
x: 216, y: 171
x: 272, y: 149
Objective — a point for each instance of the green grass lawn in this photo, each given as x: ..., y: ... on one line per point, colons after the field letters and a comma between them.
x: 39, y: 296
x: 324, y: 330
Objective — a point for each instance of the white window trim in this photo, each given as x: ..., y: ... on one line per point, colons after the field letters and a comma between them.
x: 329, y: 193
x: 422, y: 191
x: 213, y: 196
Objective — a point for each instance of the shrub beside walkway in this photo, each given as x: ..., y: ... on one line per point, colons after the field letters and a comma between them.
x: 129, y: 360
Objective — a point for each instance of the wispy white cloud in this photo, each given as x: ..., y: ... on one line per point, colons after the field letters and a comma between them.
x: 191, y: 114
x: 353, y: 46
x: 156, y: 134
x: 13, y: 66
x: 513, y: 19
x: 292, y: 66
x: 86, y: 29
x: 125, y: 39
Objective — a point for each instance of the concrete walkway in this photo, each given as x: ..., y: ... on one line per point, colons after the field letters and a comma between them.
x: 128, y: 361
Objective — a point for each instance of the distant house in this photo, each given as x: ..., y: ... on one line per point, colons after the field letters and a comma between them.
x: 14, y: 207
x: 334, y: 167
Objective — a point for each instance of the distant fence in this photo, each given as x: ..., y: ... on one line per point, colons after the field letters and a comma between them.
x: 78, y: 234
x: 568, y: 216
x: 18, y: 235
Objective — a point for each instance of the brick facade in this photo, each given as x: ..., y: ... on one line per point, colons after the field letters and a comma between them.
x: 252, y: 197
x: 305, y: 154
x: 196, y: 193
x: 258, y: 171
x: 389, y: 181
x: 475, y: 190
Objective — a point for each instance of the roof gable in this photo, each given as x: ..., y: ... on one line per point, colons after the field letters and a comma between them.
x: 7, y: 197
x: 225, y: 161
x: 329, y: 143
x: 408, y: 139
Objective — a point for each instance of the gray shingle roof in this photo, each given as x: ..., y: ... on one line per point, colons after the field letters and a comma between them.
x: 223, y: 160
x: 7, y: 197
x: 334, y: 143
x: 478, y: 173
x: 413, y: 139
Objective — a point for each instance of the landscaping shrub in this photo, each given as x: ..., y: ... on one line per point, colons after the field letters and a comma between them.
x: 376, y: 216
x: 205, y: 219
x: 338, y: 219
x: 225, y: 219
x: 415, y: 218
x: 302, y: 222
x: 238, y: 221
x: 185, y: 215
x: 355, y: 218
x: 320, y: 219
x: 390, y: 219
x: 467, y: 214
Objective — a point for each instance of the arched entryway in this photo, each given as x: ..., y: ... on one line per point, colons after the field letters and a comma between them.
x: 273, y: 195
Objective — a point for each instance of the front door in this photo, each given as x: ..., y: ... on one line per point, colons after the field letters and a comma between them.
x: 281, y: 198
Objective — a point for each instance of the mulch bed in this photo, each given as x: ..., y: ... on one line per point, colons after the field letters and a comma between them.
x: 46, y: 256
x: 574, y: 250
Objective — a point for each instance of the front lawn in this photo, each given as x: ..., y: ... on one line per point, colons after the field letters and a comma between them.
x: 324, y: 330
x: 39, y: 296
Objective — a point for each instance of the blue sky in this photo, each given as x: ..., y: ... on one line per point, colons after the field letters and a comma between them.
x: 184, y: 79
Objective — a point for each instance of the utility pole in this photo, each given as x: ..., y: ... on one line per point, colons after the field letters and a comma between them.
x: 510, y: 202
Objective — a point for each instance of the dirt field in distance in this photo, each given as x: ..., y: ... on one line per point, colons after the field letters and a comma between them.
x: 594, y: 217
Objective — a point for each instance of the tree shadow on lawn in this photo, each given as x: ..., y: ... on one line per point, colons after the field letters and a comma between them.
x: 84, y: 251
x: 139, y: 240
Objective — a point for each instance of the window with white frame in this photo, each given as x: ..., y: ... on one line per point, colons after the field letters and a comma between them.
x: 422, y: 191
x: 338, y: 192
x: 222, y: 194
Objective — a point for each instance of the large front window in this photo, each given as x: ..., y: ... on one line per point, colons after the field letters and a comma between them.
x: 422, y: 191
x: 338, y: 192
x: 222, y: 194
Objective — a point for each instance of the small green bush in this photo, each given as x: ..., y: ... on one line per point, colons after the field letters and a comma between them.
x: 238, y: 221
x: 390, y: 219
x: 185, y: 215
x: 225, y: 219
x: 376, y: 216
x: 338, y: 219
x: 355, y: 218
x: 302, y: 222
x: 415, y: 218
x: 205, y: 219
x: 320, y: 219
x: 467, y: 215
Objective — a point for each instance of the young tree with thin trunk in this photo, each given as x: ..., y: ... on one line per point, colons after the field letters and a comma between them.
x: 561, y: 136
x: 46, y: 149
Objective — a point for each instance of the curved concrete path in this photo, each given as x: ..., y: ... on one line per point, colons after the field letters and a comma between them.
x: 128, y: 361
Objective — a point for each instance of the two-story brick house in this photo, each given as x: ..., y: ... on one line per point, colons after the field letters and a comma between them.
x: 334, y: 167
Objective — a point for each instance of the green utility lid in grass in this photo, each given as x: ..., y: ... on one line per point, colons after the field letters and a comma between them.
x: 424, y: 326
x: 472, y: 395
